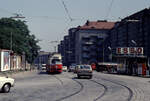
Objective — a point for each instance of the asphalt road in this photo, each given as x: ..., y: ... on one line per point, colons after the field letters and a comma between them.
x: 40, y: 86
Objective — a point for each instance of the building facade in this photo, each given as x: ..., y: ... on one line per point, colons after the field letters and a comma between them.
x: 42, y: 58
x: 85, y: 43
x: 72, y: 43
x: 132, y: 31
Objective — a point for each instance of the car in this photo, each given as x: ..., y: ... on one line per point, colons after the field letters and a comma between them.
x: 76, y: 68
x: 84, y: 70
x: 64, y: 68
x: 6, y: 83
x: 43, y: 67
x: 71, y: 68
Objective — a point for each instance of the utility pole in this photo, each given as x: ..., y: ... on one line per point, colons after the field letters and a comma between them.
x: 16, y: 16
x: 11, y: 41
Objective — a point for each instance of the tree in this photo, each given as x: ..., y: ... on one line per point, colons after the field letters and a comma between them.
x: 22, y: 41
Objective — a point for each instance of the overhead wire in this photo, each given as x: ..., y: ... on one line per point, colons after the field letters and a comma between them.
x: 109, y: 9
x: 69, y: 16
x: 67, y: 11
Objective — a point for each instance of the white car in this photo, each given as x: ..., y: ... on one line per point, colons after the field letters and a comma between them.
x: 64, y: 68
x: 84, y: 70
x: 71, y: 68
x: 6, y: 83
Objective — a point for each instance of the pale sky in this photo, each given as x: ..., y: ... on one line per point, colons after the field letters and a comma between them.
x: 48, y: 20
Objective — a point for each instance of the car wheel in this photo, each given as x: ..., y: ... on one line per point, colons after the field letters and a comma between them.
x: 6, y: 88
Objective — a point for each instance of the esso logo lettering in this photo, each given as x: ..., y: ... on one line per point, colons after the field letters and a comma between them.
x: 130, y: 50
x: 139, y: 50
x: 119, y: 50
x: 125, y: 50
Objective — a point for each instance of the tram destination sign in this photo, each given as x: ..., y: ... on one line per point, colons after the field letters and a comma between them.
x: 129, y: 50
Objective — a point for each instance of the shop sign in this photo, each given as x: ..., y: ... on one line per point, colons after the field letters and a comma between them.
x: 129, y: 50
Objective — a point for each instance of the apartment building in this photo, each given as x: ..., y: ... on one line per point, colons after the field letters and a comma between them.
x: 86, y: 42
x: 132, y: 32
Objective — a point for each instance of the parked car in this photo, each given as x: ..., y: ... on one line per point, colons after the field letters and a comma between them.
x: 6, y: 83
x: 64, y: 68
x: 84, y: 70
x: 76, y: 68
x: 71, y: 68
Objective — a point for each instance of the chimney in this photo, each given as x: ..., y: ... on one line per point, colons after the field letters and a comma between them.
x: 87, y: 23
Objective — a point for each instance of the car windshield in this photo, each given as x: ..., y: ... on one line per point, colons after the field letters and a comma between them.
x: 71, y: 67
x: 84, y: 67
x: 58, y: 62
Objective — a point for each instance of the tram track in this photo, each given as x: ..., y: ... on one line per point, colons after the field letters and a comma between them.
x: 57, y: 78
x: 129, y: 98
x: 61, y: 82
x: 82, y: 87
x: 129, y: 89
x: 77, y: 92
x: 105, y: 90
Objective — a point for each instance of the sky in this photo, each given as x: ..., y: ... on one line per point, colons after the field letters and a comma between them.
x: 49, y: 20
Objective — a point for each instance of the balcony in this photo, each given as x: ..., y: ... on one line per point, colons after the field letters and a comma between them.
x: 86, y: 49
x: 85, y: 56
x: 93, y: 54
x: 93, y: 47
x: 87, y: 43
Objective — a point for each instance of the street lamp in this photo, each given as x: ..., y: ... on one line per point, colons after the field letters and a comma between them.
x: 109, y: 47
x: 134, y: 42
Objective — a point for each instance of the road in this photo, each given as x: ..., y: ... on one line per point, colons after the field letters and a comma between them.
x: 40, y: 86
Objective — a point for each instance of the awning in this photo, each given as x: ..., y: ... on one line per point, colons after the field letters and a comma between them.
x: 130, y: 56
x: 107, y: 63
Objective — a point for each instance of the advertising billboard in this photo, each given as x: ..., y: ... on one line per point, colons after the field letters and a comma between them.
x: 5, y: 61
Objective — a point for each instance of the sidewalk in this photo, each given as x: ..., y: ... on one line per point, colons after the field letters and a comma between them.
x: 15, y: 73
x: 121, y: 74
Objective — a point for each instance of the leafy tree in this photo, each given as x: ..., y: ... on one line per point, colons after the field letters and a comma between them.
x: 22, y: 41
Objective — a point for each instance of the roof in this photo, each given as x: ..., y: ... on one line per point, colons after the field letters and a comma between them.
x: 97, y: 25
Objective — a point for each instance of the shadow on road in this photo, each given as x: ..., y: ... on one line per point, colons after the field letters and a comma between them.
x: 83, y: 77
x: 42, y: 73
x: 45, y: 73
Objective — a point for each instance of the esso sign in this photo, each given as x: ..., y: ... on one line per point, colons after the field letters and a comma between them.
x: 129, y: 50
